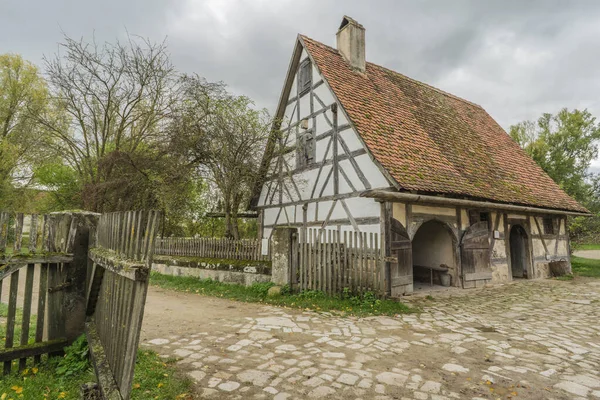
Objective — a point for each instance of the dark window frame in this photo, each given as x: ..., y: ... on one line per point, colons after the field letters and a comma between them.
x: 304, y: 76
x: 548, y: 224
x: 476, y: 216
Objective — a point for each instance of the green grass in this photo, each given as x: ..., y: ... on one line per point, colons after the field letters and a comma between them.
x: 18, y: 325
x: 155, y: 378
x: 585, y: 267
x: 347, y: 304
x: 43, y: 382
x: 586, y: 246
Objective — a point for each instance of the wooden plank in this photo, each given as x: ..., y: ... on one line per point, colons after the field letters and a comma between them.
x: 9, y: 265
x: 27, y: 300
x: 33, y: 233
x: 140, y: 290
x: 335, y: 165
x: 109, y: 260
x: 106, y: 380
x: 477, y: 276
x: 345, y: 282
x: 11, y: 316
x: 351, y: 276
x: 18, y: 233
x: 32, y: 350
x: 372, y: 270
x: 41, y: 309
x: 56, y: 316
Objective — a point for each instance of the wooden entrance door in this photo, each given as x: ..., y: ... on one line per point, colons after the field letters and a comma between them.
x: 475, y: 255
x: 518, y: 252
x: 401, y: 268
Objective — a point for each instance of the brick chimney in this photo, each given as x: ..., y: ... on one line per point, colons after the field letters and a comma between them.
x: 351, y: 43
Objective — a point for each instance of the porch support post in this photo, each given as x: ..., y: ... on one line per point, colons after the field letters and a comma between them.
x: 386, y: 215
x: 283, y: 247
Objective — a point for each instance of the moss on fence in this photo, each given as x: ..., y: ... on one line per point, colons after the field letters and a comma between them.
x: 262, y: 267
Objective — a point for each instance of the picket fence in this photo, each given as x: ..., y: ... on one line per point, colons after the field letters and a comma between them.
x: 243, y: 249
x: 331, y: 262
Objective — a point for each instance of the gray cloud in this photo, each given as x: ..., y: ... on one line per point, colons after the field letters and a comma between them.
x: 515, y: 58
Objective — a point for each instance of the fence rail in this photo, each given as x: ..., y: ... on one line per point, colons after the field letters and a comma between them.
x: 330, y: 262
x: 118, y: 286
x: 244, y: 249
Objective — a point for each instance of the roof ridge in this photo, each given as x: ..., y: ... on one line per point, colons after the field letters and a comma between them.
x: 443, y: 92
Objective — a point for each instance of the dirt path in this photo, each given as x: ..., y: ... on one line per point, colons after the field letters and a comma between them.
x: 173, y: 313
x: 529, y: 340
x: 594, y: 254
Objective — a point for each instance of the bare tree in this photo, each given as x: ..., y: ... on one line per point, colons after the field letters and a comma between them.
x: 114, y: 98
x: 224, y: 136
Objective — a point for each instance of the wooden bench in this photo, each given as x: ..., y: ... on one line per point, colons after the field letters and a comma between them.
x: 432, y: 268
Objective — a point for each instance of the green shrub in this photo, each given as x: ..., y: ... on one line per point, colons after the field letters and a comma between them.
x: 76, y: 359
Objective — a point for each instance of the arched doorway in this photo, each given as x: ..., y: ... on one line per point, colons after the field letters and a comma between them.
x: 433, y: 249
x: 519, y: 252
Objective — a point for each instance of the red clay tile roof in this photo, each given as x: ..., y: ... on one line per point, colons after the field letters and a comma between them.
x: 433, y: 142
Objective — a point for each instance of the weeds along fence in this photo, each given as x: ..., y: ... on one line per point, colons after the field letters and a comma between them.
x: 40, y: 284
x: 119, y: 276
x: 244, y: 249
x: 331, y: 262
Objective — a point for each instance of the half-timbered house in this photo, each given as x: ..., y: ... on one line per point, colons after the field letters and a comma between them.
x: 358, y: 147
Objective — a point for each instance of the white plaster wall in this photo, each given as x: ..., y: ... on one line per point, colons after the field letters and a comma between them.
x: 399, y: 213
x: 307, y: 179
x: 499, y: 250
x: 362, y: 207
x: 432, y: 210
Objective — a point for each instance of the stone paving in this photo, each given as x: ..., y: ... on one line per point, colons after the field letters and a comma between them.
x: 530, y: 340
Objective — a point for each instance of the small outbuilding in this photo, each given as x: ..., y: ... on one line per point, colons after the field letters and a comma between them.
x: 359, y: 147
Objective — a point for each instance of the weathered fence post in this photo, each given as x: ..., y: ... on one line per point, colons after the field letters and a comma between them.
x: 283, y: 249
x: 67, y: 281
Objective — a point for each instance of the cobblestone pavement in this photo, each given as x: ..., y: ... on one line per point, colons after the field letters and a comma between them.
x: 529, y: 340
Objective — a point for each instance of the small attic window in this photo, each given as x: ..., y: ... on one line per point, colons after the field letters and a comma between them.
x: 476, y: 216
x: 304, y: 76
x: 548, y: 226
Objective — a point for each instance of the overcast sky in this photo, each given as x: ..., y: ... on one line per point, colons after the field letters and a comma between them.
x: 517, y: 59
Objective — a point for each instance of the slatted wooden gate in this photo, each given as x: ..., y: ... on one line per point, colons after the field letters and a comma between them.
x: 119, y: 273
x: 475, y: 255
x: 40, y: 283
x: 330, y: 262
x: 53, y: 287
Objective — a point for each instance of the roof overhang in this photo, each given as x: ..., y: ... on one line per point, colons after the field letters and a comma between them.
x: 393, y: 196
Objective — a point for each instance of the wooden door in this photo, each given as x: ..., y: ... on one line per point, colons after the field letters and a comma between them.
x: 401, y: 268
x: 475, y: 255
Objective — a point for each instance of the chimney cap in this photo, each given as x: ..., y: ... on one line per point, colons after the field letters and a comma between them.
x: 348, y: 20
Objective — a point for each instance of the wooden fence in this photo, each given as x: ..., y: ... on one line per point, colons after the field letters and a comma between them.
x: 38, y: 272
x: 119, y: 275
x: 244, y: 249
x: 329, y: 262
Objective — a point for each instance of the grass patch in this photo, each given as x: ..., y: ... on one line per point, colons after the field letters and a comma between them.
x: 62, y: 377
x: 18, y: 325
x: 156, y: 377
x: 585, y: 267
x: 587, y: 246
x: 347, y: 304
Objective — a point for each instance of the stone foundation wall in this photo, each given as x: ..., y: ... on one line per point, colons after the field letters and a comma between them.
x: 226, y: 271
